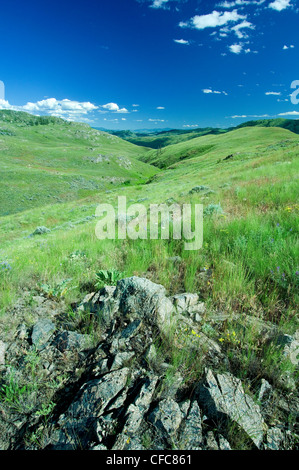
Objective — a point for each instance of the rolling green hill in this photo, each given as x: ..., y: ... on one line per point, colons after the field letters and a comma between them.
x: 45, y: 160
x: 290, y: 124
x: 238, y: 144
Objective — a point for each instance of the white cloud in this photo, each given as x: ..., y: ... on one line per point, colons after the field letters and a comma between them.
x: 182, y: 41
x: 251, y: 116
x: 67, y: 109
x: 190, y: 125
x: 159, y: 3
x: 157, y: 120
x: 135, y: 105
x: 208, y: 91
x: 240, y: 3
x: 288, y: 47
x: 160, y: 107
x: 277, y: 93
x: 237, y: 28
x: 235, y: 48
x: 213, y: 20
x: 5, y: 105
x: 291, y: 113
x: 122, y: 110
x: 113, y: 107
x: 280, y: 5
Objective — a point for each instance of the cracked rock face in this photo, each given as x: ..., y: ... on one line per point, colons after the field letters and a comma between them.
x: 121, y: 399
x: 223, y: 395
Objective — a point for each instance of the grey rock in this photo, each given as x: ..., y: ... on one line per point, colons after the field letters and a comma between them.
x: 70, y: 341
x: 167, y: 417
x: 120, y: 359
x: 2, y: 352
x: 223, y: 443
x: 265, y: 391
x: 40, y: 231
x: 42, y: 332
x: 199, y: 189
x: 290, y: 347
x: 223, y: 396
x: 275, y: 439
x: 189, y: 305
x: 140, y: 298
x: 78, y: 424
x: 99, y: 446
x: 191, y: 437
x: 211, y: 443
x: 105, y: 426
x: 101, y: 303
x: 135, y: 416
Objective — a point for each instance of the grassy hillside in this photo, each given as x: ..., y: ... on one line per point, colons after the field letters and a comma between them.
x: 248, y: 263
x: 290, y: 124
x: 46, y: 160
x: 238, y: 144
x: 252, y: 199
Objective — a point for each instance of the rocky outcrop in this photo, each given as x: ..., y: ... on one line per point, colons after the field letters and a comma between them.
x: 115, y: 381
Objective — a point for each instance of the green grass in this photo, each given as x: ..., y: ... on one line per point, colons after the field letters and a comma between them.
x: 58, y: 161
x: 251, y: 247
x: 245, y: 144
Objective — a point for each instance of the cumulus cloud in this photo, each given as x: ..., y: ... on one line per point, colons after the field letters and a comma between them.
x: 67, y: 109
x: 60, y: 106
x: 113, y: 107
x: 213, y: 20
x: 280, y: 5
x: 5, y: 105
x: 285, y: 47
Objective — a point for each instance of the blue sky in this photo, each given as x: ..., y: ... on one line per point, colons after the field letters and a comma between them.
x: 132, y: 64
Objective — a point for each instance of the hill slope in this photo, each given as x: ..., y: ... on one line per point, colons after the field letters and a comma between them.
x: 234, y: 144
x: 290, y: 124
x: 46, y: 160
